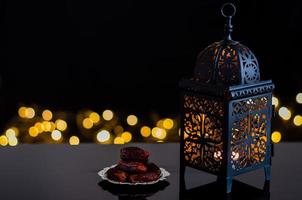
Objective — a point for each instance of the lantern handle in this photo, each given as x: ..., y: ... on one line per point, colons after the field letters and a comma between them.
x: 228, y: 10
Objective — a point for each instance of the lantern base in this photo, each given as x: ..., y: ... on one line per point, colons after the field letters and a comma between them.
x: 267, y: 172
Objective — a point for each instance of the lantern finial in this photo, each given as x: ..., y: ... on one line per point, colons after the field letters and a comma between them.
x: 228, y: 10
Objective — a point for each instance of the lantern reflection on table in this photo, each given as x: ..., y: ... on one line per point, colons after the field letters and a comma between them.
x: 226, y: 111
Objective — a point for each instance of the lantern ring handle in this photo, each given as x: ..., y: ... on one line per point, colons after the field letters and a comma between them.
x: 228, y: 10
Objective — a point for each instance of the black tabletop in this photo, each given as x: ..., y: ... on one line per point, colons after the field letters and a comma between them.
x: 70, y: 172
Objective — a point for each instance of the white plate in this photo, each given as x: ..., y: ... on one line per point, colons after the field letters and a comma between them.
x: 103, y: 175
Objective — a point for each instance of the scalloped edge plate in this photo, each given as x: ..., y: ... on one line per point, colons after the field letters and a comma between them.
x: 103, y: 175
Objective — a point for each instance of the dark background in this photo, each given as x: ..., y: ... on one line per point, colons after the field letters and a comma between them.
x: 130, y: 55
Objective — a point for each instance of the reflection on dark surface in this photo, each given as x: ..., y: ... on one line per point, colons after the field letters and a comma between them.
x: 128, y: 192
x: 215, y: 191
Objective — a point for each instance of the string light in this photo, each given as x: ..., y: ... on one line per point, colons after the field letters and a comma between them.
x: 13, y: 141
x: 46, y: 126
x: 10, y: 133
x: 168, y: 123
x: 30, y: 113
x: 107, y: 115
x: 61, y: 125
x: 119, y: 140
x: 3, y: 140
x: 47, y: 115
x: 145, y: 131
x: 56, y: 135
x: 87, y: 123
x: 33, y: 131
x: 275, y: 101
x: 159, y: 133
x: 22, y: 112
x: 94, y: 117
x: 39, y: 126
x: 103, y: 136
x: 298, y: 120
x: 299, y: 98
x: 127, y: 136
x: 284, y: 113
x: 132, y: 120
x: 276, y: 137
x: 74, y: 140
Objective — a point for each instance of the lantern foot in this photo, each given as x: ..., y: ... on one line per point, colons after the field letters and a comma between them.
x: 267, y: 172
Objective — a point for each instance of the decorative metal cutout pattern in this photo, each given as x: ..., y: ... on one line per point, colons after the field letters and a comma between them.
x: 203, y: 147
x: 205, y: 63
x: 249, y: 132
x: 227, y: 62
x: 203, y: 105
x: 228, y: 65
x: 250, y: 67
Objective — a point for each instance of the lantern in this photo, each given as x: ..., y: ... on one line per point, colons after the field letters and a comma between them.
x: 226, y: 111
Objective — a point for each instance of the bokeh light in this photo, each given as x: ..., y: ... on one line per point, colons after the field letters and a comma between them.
x: 56, y: 135
x: 10, y: 133
x: 13, y: 141
x: 33, y: 131
x: 47, y: 115
x: 132, y: 120
x: 145, y: 131
x: 284, y: 113
x: 159, y: 133
x: 39, y: 126
x: 3, y: 140
x: 46, y: 126
x: 30, y: 113
x: 22, y: 112
x: 107, y: 115
x: 95, y: 117
x: 74, y: 140
x: 127, y: 136
x: 119, y: 140
x: 276, y: 137
x: 299, y: 98
x: 87, y: 123
x: 275, y: 101
x: 103, y: 136
x: 298, y: 120
x: 168, y: 123
x: 61, y: 125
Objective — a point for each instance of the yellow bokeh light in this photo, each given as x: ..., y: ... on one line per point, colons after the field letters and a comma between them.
x: 46, y: 126
x: 3, y: 140
x: 30, y: 113
x: 168, y: 124
x: 275, y: 101
x: 87, y: 123
x: 103, y: 136
x: 52, y: 126
x: 160, y: 123
x: 284, y: 113
x: 39, y: 126
x: 127, y: 136
x: 74, y: 140
x: 33, y: 131
x: 13, y: 141
x: 22, y: 112
x: 276, y: 136
x: 119, y: 140
x: 95, y: 117
x: 118, y: 129
x: 47, y: 115
x: 145, y: 131
x: 298, y: 120
x: 61, y: 125
x: 132, y: 120
x: 159, y: 133
x: 107, y: 115
x: 56, y: 135
x: 299, y: 98
x: 10, y: 133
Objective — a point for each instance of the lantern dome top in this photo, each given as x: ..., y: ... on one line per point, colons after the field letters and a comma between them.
x: 227, y: 62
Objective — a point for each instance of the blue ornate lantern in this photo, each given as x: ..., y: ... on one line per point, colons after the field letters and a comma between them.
x: 226, y: 111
